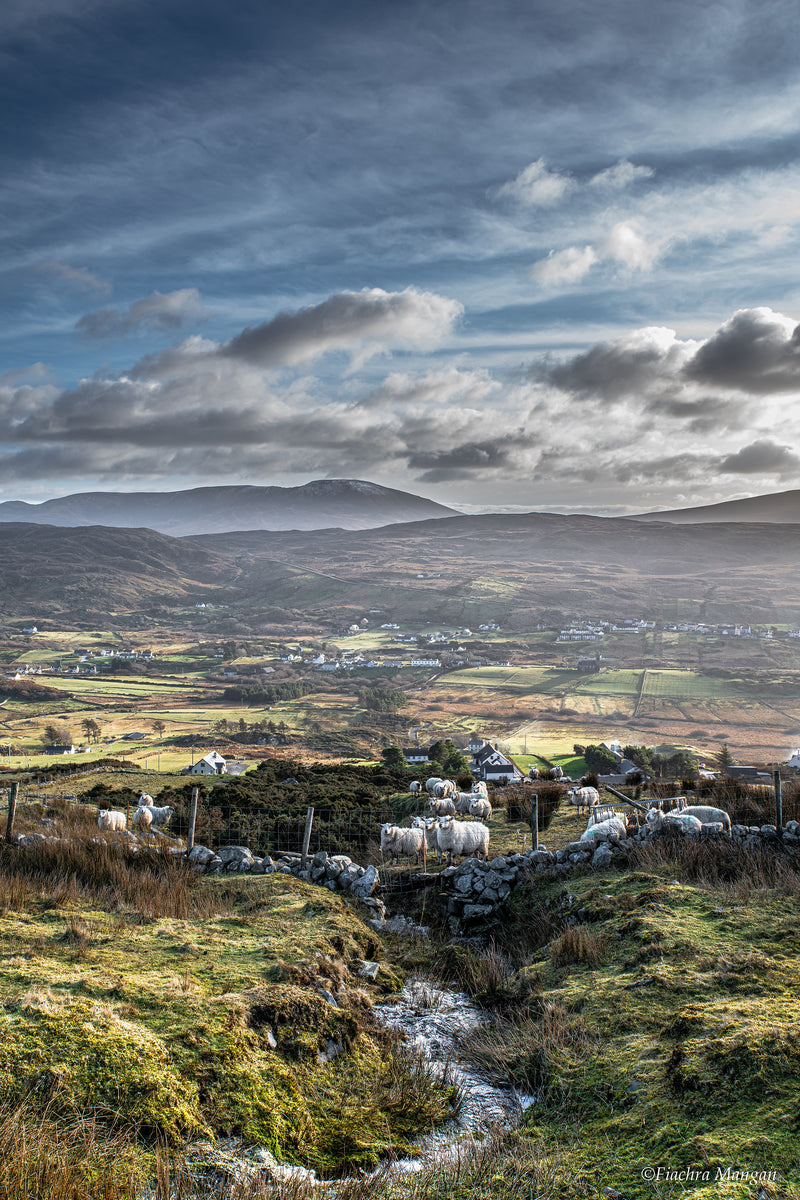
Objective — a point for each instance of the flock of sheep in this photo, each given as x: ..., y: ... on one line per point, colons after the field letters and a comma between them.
x: 147, y: 816
x: 440, y: 833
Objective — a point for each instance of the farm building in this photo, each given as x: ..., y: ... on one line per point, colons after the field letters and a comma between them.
x: 490, y: 764
x: 415, y: 754
x: 210, y: 764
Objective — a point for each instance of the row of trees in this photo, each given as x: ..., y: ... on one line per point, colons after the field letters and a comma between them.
x: 672, y: 765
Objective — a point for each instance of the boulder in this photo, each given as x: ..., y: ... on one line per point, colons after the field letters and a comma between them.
x: 602, y: 857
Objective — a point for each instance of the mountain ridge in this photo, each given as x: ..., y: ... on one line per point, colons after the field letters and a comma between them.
x: 321, y: 503
x: 772, y: 508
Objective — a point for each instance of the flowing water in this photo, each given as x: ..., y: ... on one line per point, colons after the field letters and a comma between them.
x: 435, y: 1020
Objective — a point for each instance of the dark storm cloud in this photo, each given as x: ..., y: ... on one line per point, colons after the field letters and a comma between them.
x: 156, y: 313
x: 467, y: 460
x: 756, y: 351
x: 630, y: 366
x: 345, y: 321
x: 761, y: 458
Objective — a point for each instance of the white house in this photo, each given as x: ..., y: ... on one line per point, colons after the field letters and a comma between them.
x: 211, y: 764
x: 794, y: 759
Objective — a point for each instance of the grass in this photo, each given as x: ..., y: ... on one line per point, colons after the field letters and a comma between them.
x: 146, y: 1000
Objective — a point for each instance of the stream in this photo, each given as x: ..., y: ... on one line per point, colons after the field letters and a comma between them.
x: 435, y: 1019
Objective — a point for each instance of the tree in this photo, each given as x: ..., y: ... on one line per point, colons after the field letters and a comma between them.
x: 159, y: 726
x: 91, y: 728
x: 393, y: 757
x: 599, y: 760
x: 724, y: 757
x: 56, y: 735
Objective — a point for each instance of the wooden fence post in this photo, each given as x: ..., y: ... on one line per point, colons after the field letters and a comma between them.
x: 778, y: 803
x: 12, y: 808
x: 535, y: 821
x: 306, y: 839
x: 192, y: 819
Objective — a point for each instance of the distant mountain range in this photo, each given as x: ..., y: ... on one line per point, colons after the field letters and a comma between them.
x: 776, y: 507
x: 458, y: 570
x: 321, y: 504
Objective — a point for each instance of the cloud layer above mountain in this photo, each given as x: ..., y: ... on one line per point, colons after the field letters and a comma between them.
x: 522, y: 254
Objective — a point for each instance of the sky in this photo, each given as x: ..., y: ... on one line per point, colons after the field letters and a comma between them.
x: 520, y: 255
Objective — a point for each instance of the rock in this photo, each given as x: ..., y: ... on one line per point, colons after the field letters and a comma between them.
x: 341, y: 860
x: 738, y: 830
x: 369, y: 970
x: 769, y: 831
x: 332, y: 1050
x: 234, y: 854
x: 498, y: 864
x: 366, y: 883
x: 602, y: 857
x: 465, y: 883
x: 328, y: 997
x: 492, y: 879
x: 489, y: 896
x: 269, y: 1037
x: 541, y: 857
x: 561, y: 856
x: 320, y: 858
x: 792, y: 827
x: 476, y: 910
x: 468, y: 866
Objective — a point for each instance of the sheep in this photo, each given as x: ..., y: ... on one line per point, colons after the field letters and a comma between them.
x: 462, y: 801
x: 111, y: 821
x: 431, y: 784
x: 479, y: 786
x: 611, y: 830
x: 158, y: 816
x: 442, y: 808
x: 415, y: 786
x: 584, y: 797
x: 143, y: 818
x: 444, y: 789
x: 658, y: 822
x: 145, y: 798
x: 397, y: 840
x: 430, y: 825
x: 706, y: 815
x: 603, y: 812
x: 533, y: 773
x: 469, y: 838
x: 556, y: 773
x: 481, y: 808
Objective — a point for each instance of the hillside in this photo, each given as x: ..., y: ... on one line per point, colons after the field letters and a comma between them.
x: 321, y: 504
x: 512, y: 568
x: 97, y: 569
x: 781, y: 507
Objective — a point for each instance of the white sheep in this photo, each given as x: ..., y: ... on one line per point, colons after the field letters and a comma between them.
x: 111, y: 821
x: 442, y: 807
x: 462, y: 801
x: 145, y: 798
x: 481, y: 808
x: 469, y: 838
x: 432, y: 783
x: 430, y: 826
x: 604, y: 831
x: 707, y: 814
x: 584, y: 797
x: 159, y: 816
x: 685, y: 822
x: 415, y: 786
x: 399, y: 840
x: 143, y: 818
x: 480, y: 786
x: 533, y: 773
x: 556, y: 772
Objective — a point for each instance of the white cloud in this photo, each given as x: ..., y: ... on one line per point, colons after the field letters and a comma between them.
x: 537, y: 185
x: 564, y: 266
x: 171, y: 310
x: 626, y: 245
x: 79, y: 279
x: 621, y: 175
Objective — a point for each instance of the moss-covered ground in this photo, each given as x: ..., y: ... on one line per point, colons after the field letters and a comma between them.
x: 173, y: 1007
x: 656, y: 1019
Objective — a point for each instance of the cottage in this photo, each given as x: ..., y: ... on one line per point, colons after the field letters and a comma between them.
x: 493, y: 766
x: 415, y: 754
x: 210, y: 764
